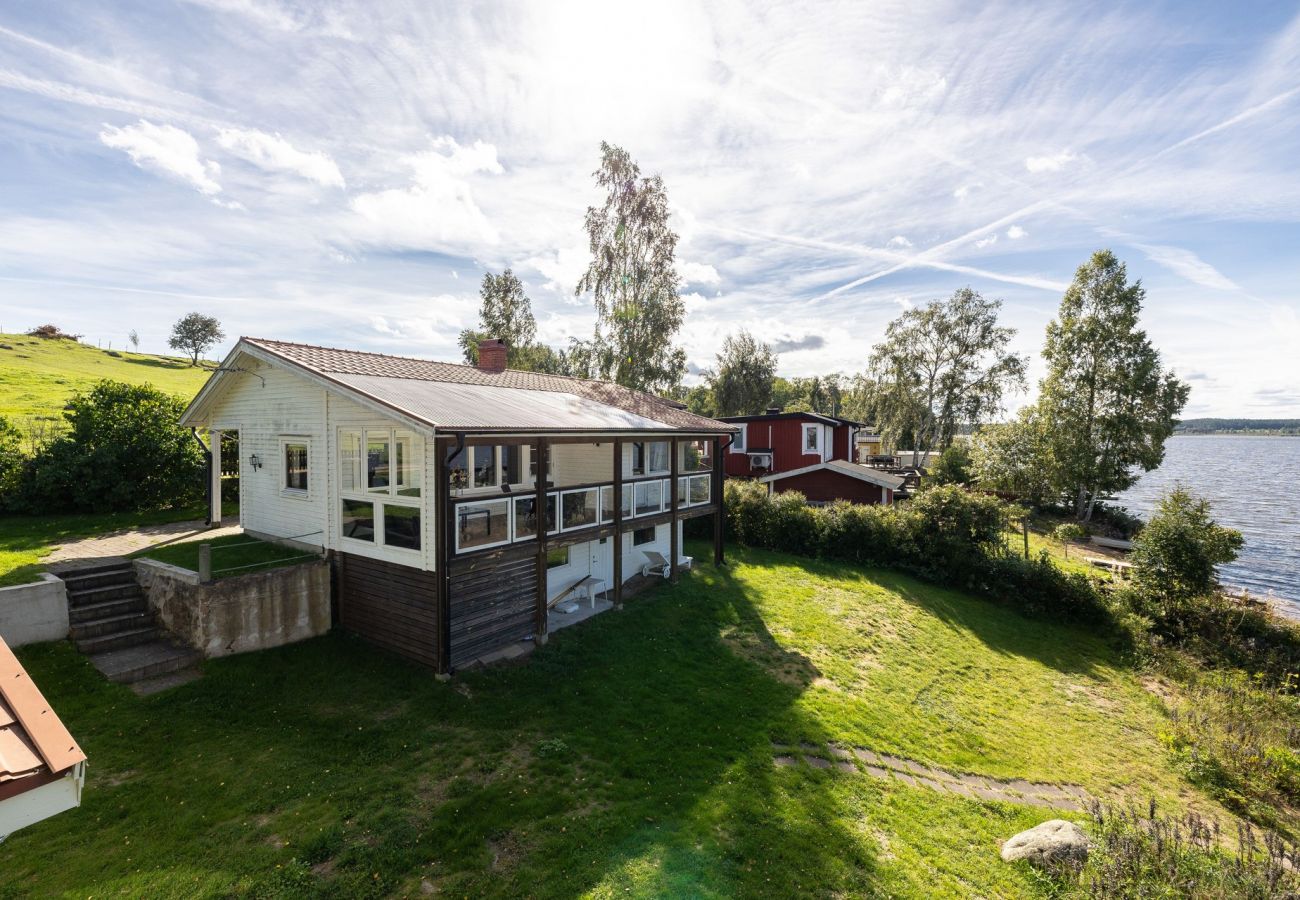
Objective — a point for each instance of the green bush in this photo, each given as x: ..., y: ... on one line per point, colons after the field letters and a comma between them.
x: 124, y: 449
x: 1175, y: 555
x: 953, y: 465
x: 1070, y: 531
x: 11, y: 463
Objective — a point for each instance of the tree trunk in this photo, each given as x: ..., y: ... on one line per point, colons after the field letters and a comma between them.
x: 1080, y: 503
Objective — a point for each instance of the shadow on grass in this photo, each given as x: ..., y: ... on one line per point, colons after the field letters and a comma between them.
x: 631, y: 754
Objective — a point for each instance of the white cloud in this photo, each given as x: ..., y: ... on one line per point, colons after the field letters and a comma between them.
x: 275, y: 154
x: 1053, y: 163
x: 986, y: 242
x: 437, y: 211
x: 698, y: 273
x: 1015, y: 233
x: 899, y: 241
x: 561, y: 268
x: 167, y: 149
x: 1188, y: 265
x: 964, y: 191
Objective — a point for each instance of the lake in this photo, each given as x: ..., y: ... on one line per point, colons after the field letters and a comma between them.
x: 1253, y: 484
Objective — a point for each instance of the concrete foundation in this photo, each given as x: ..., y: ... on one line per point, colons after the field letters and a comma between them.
x: 240, y: 614
x: 34, y: 612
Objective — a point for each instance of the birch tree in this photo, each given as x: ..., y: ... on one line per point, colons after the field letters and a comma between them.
x: 1108, y: 403
x: 742, y: 384
x: 939, y: 367
x: 633, y: 280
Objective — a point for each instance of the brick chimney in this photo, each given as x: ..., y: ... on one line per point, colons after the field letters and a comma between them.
x: 492, y: 355
x: 773, y: 410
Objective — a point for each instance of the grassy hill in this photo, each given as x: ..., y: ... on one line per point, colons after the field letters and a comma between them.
x: 37, y: 376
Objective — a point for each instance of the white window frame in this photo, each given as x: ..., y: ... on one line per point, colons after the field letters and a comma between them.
x: 559, y: 509
x: 738, y: 442
x: 816, y: 432
x: 498, y: 469
x: 510, y: 521
x: 285, y: 490
x: 653, y: 529
x: 645, y: 457
x: 381, y: 497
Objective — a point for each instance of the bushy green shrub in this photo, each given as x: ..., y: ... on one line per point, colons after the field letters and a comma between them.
x: 124, y: 449
x: 1069, y: 531
x: 11, y: 463
x: 953, y: 465
x: 1175, y: 555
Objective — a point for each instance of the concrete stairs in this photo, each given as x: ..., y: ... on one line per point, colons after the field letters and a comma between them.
x: 112, y: 624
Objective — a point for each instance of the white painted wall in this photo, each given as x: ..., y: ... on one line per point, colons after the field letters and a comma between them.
x: 40, y: 803
x: 262, y: 413
x: 34, y: 612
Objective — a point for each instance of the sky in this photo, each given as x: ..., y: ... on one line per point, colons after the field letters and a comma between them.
x: 343, y: 173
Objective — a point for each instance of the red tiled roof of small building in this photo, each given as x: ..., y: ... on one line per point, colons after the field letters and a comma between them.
x: 33, y: 741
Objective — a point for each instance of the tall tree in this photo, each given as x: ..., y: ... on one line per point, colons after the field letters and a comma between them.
x: 1015, y: 457
x: 195, y: 334
x: 1108, y: 402
x: 633, y: 279
x: 742, y: 384
x: 507, y: 313
x: 941, y: 366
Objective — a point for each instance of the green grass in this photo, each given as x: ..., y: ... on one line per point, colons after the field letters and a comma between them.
x: 234, y: 554
x: 38, y: 376
x: 631, y: 756
x: 26, y: 540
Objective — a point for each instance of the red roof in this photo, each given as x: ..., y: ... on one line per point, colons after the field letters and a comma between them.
x: 34, y: 745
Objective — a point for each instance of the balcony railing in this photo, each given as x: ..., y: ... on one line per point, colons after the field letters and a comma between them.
x: 495, y: 521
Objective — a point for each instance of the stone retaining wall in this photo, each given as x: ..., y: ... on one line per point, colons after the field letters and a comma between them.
x: 236, y: 615
x: 34, y: 612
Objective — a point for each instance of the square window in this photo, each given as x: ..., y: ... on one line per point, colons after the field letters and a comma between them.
x: 526, y: 516
x: 643, y: 536
x: 578, y: 509
x: 557, y: 557
x: 402, y: 526
x: 358, y: 520
x: 295, y: 466
x: 649, y: 497
x: 700, y: 489
x: 482, y: 523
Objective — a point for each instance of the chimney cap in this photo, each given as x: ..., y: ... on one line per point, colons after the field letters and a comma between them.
x: 774, y: 410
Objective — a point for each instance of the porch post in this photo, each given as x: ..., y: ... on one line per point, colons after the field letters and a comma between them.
x: 442, y: 538
x: 542, y: 449
x: 214, y: 489
x: 719, y: 475
x: 673, y: 549
x: 618, y: 523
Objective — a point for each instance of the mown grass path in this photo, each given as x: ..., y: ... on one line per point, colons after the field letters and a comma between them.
x: 631, y: 756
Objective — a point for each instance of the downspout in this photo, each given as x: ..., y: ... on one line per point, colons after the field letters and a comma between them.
x: 207, y: 475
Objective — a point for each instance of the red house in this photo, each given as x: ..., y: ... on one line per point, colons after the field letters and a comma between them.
x: 806, y: 452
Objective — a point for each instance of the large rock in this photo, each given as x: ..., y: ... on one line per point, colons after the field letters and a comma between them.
x: 1053, y: 841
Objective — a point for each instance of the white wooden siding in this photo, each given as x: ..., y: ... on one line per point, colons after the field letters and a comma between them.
x: 285, y: 405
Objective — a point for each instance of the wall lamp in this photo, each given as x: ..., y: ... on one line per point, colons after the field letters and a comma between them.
x: 255, y: 461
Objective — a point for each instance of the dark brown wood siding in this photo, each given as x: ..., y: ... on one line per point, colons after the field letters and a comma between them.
x: 391, y: 605
x: 493, y: 602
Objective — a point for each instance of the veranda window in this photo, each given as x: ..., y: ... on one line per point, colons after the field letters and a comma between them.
x: 578, y: 509
x: 484, y: 523
x: 380, y: 476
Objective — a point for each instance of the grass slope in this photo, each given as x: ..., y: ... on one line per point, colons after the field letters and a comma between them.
x: 631, y: 756
x: 38, y: 376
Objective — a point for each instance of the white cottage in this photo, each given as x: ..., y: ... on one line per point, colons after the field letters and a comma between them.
x: 421, y: 481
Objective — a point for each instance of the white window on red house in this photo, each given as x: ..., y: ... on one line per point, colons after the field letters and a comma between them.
x: 811, y: 439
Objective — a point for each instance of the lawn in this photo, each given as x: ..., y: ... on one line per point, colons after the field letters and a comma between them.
x: 25, y: 540
x: 631, y: 756
x: 37, y: 376
x: 234, y: 554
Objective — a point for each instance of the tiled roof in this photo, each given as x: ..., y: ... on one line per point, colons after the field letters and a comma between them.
x: 33, y: 742
x: 396, y: 382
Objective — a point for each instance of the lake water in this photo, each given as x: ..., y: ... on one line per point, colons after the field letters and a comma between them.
x: 1253, y: 484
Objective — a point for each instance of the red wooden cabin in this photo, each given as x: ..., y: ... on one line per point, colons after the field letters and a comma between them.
x: 806, y: 452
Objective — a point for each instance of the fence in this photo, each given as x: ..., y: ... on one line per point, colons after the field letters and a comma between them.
x: 207, y: 573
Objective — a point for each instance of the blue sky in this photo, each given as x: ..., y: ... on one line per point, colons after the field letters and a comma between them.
x: 343, y: 173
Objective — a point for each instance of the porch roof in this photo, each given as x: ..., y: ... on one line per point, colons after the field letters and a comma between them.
x: 33, y: 742
x: 456, y: 397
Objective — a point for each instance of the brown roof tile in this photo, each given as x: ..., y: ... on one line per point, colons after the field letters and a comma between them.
x: 32, y: 739
x: 339, y: 364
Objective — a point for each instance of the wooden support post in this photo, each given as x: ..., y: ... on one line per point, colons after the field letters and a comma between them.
x: 214, y: 453
x: 719, y: 474
x: 674, y: 550
x: 1024, y: 526
x: 617, y: 537
x: 543, y: 450
x: 443, y: 535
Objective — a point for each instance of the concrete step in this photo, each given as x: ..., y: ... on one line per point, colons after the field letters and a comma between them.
x: 168, y: 680
x: 133, y: 664
x: 111, y: 625
x: 79, y: 580
x: 77, y: 570
x: 100, y: 594
x: 117, y: 640
x: 92, y: 611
